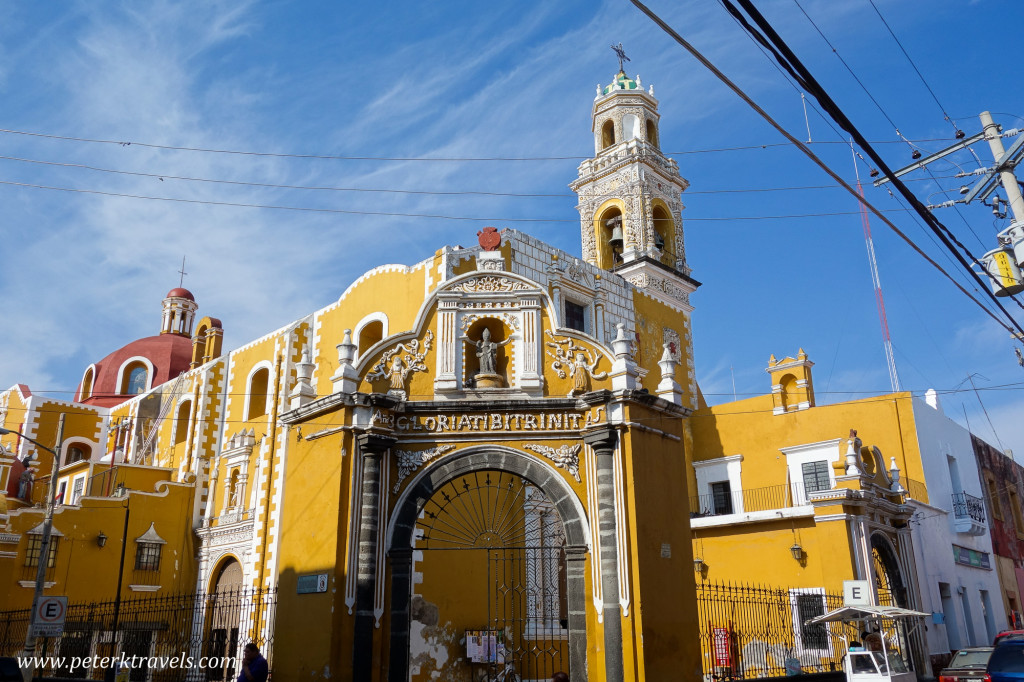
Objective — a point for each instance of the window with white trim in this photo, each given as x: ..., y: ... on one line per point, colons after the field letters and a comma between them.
x: 806, y: 604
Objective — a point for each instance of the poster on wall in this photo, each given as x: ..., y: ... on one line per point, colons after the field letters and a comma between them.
x: 485, y: 646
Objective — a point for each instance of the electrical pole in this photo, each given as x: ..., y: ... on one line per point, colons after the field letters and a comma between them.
x: 1006, y: 175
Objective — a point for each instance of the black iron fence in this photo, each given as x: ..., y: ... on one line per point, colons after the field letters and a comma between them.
x: 727, y: 501
x: 749, y: 632
x: 167, y: 638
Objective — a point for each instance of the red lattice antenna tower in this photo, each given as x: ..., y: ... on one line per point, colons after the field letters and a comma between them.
x: 890, y: 359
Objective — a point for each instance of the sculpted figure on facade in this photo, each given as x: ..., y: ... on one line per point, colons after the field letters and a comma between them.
x: 487, y: 352
x: 25, y: 484
x: 396, y: 367
x: 571, y: 359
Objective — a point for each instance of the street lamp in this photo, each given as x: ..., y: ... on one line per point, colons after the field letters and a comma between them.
x: 44, y: 545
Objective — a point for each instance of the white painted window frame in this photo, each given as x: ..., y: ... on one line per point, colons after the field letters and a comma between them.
x: 127, y: 363
x: 265, y: 364
x: 377, y: 316
x: 729, y: 468
x: 798, y: 455
x: 798, y: 637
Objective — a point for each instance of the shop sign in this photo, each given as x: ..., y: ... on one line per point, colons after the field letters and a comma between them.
x: 311, y: 584
x: 971, y: 557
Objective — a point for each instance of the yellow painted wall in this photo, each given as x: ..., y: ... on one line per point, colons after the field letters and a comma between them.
x: 86, y: 572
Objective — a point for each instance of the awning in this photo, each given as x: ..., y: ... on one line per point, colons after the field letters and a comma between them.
x: 865, y: 612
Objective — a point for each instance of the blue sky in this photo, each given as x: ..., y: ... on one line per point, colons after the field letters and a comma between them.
x: 84, y: 272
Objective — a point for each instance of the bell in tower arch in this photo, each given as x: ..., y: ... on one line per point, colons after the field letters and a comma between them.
x: 614, y: 225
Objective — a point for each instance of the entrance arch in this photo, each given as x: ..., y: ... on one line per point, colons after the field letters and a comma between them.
x: 887, y: 575
x: 466, y: 463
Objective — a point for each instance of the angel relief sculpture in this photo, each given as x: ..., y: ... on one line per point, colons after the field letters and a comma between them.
x: 396, y: 367
x: 572, y: 360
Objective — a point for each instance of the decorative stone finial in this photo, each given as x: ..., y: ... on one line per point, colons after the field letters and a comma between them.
x: 346, y: 349
x: 668, y: 387
x: 624, y: 372
x: 346, y: 379
x: 303, y: 392
x: 622, y: 345
x: 853, y: 455
x: 894, y: 476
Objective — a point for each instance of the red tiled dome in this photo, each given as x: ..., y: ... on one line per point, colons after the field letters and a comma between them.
x: 178, y: 292
x: 170, y: 355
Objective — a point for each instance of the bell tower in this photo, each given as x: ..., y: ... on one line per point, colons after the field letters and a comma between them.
x: 629, y: 193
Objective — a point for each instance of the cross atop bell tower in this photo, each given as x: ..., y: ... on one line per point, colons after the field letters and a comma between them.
x: 629, y: 193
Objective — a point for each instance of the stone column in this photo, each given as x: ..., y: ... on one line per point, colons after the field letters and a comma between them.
x: 401, y: 593
x: 602, y: 441
x: 371, y: 450
x: 575, y: 585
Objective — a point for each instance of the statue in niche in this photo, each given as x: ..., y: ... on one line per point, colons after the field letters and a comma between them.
x: 235, y: 499
x: 487, y: 352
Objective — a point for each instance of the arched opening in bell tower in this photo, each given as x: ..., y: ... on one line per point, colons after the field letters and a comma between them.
x: 607, y: 134
x: 652, y: 133
x: 610, y: 237
x: 664, y: 230
x: 630, y: 127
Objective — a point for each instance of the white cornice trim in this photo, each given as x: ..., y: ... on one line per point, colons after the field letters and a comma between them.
x: 718, y: 460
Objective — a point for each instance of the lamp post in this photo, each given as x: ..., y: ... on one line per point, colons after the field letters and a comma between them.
x: 111, y: 672
x: 44, y: 545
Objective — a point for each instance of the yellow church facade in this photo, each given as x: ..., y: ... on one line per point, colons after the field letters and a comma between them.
x: 462, y: 467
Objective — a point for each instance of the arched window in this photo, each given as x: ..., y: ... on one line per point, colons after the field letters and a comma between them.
x: 610, y: 237
x: 663, y: 231
x: 134, y: 379
x: 181, y: 423
x: 652, y: 133
x: 789, y: 396
x: 77, y: 453
x: 369, y: 335
x: 630, y: 127
x: 87, y: 380
x: 607, y: 134
x: 257, y: 391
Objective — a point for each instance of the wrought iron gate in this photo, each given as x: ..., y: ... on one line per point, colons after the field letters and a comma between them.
x: 504, y: 524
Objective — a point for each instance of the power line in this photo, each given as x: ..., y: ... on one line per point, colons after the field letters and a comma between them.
x: 248, y: 183
x: 793, y: 64
x: 959, y: 133
x: 278, y: 207
x: 821, y: 164
x: 336, y: 157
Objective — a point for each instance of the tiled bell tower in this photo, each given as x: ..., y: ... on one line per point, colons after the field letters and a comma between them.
x: 630, y: 200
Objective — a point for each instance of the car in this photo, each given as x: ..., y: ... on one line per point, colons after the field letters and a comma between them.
x: 967, y: 664
x: 1008, y: 634
x: 1007, y: 662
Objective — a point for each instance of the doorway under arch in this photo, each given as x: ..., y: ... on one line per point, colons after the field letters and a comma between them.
x: 500, y: 544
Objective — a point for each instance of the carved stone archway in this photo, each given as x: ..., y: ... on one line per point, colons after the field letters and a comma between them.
x: 488, y: 457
